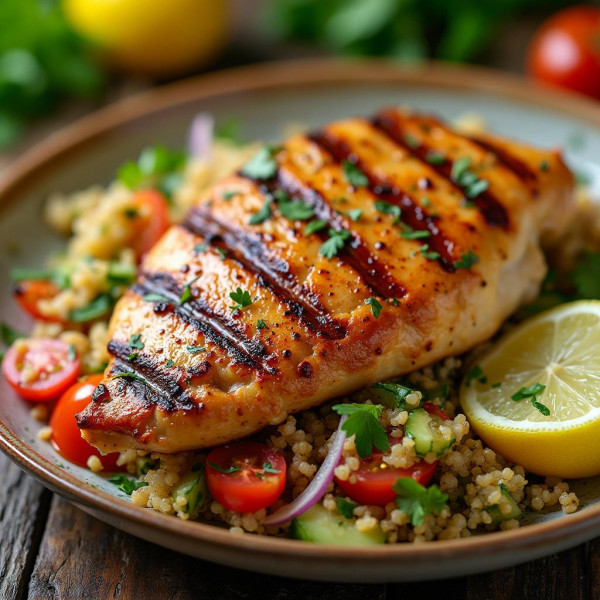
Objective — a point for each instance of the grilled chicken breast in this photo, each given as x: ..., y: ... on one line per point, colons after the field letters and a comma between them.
x: 423, y: 241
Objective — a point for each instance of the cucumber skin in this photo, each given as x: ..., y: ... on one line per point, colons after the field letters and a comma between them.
x: 497, y: 516
x: 414, y: 428
x: 319, y: 526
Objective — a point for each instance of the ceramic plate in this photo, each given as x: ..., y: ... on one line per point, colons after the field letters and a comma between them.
x: 266, y: 99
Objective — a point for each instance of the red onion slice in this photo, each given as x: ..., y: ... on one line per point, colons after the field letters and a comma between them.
x: 200, y: 138
x: 317, y: 487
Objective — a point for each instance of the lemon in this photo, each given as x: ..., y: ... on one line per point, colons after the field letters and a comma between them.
x: 551, y: 362
x: 154, y: 37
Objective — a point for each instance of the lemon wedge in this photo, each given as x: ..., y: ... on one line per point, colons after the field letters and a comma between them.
x: 535, y: 396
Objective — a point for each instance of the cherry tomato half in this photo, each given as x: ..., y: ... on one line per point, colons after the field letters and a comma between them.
x: 29, y: 292
x: 151, y: 220
x: 40, y: 369
x: 246, y: 476
x: 565, y: 51
x: 432, y: 409
x: 66, y: 436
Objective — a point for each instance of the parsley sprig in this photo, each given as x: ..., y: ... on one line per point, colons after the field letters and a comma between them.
x: 388, y: 209
x: 263, y: 164
x: 467, y: 260
x: 363, y: 423
x: 335, y: 243
x: 293, y: 209
x: 467, y: 179
x: 127, y: 485
x: 375, y: 306
x: 242, y: 299
x: 314, y: 226
x: 532, y: 393
x: 345, y: 507
x: 187, y: 295
x: 398, y: 391
x: 354, y: 176
x: 260, y: 216
x: 476, y: 373
x: 416, y: 500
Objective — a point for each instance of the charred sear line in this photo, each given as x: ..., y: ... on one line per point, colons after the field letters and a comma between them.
x: 355, y: 253
x: 272, y: 272
x: 151, y: 383
x: 512, y: 163
x: 412, y: 214
x: 490, y: 207
x: 221, y: 330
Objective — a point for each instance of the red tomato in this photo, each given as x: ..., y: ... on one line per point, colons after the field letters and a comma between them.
x: 432, y: 409
x: 40, y: 369
x: 66, y: 436
x: 246, y: 476
x: 565, y: 51
x: 29, y: 292
x: 151, y: 219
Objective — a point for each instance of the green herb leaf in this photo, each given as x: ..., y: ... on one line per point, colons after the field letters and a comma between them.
x: 127, y: 485
x: 408, y: 233
x: 187, y: 295
x: 354, y: 214
x: 135, y: 341
x: 398, y: 391
x: 466, y: 179
x: 435, y: 158
x: 354, y: 176
x: 411, y: 141
x: 375, y: 306
x: 94, y: 310
x: 335, y: 243
x: 345, y: 507
x: 121, y: 273
x: 198, y: 248
x: 532, y: 392
x: 260, y: 324
x: 22, y: 274
x: 586, y: 276
x: 544, y: 166
x: 128, y: 376
x: 314, y: 226
x: 9, y: 335
x: 241, y: 297
x: 221, y: 252
x: 169, y: 363
x: 269, y: 468
x: 416, y: 500
x: 363, y: 423
x: 426, y: 253
x: 262, y: 165
x: 72, y: 353
x: 231, y: 194
x: 196, y: 349
x: 388, y: 209
x: 294, y: 210
x: 229, y: 130
x: 476, y: 373
x: 155, y: 298
x: 263, y: 214
x: 228, y: 471
x: 467, y: 260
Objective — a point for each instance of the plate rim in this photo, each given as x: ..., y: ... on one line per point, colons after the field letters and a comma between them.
x: 284, y: 74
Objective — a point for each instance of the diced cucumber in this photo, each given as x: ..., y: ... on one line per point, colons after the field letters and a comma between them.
x: 424, y: 429
x: 391, y: 395
x: 497, y: 515
x: 320, y: 526
x: 192, y: 487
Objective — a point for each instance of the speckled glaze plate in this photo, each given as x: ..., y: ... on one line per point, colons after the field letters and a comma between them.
x: 266, y: 99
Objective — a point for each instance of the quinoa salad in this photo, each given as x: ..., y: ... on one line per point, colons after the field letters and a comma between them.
x: 462, y: 487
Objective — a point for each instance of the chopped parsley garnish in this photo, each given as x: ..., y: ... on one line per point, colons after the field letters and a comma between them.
x: 221, y: 252
x: 496, y: 385
x: 466, y: 179
x: 198, y: 248
x: 263, y: 214
x: 241, y: 298
x: 363, y: 423
x: 435, y: 158
x: 231, y: 194
x: 135, y: 341
x: 155, y: 298
x: 388, y: 209
x: 467, y: 260
x: 196, y: 349
x: 314, y: 226
x: 476, y: 373
x: 294, y: 210
x: 59, y: 278
x: 345, y: 507
x: 9, y: 335
x: 416, y: 500
x: 127, y: 485
x: 229, y: 130
x: 586, y: 276
x: 544, y: 165
x: 260, y: 324
x: 228, y: 471
x: 411, y: 141
x: 269, y: 468
x: 132, y: 357
x: 186, y: 295
x: 170, y: 363
x: 428, y: 254
x: 95, y: 309
x: 354, y: 214
x: 262, y: 165
x: 354, y: 176
x: 121, y: 273
x: 532, y: 392
x: 128, y: 376
x: 408, y: 233
x: 375, y: 306
x: 398, y: 391
x: 335, y: 243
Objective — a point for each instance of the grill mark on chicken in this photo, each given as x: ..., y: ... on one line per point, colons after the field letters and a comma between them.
x: 271, y: 271
x: 517, y: 166
x: 412, y: 214
x: 220, y: 329
x: 489, y: 206
x: 160, y: 386
x: 355, y: 253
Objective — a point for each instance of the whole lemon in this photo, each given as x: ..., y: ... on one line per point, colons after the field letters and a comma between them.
x: 152, y: 37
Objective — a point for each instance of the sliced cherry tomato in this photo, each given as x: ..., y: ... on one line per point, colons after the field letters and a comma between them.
x: 246, y: 476
x: 565, y: 51
x: 375, y: 478
x: 40, y: 369
x: 432, y: 409
x: 29, y: 292
x: 66, y: 436
x: 151, y: 219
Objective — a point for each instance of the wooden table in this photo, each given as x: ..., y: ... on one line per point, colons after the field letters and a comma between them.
x: 50, y: 549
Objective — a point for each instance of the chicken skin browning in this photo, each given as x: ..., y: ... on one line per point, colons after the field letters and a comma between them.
x: 420, y: 243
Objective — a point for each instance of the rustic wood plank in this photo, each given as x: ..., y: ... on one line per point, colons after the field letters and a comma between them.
x: 23, y: 509
x: 80, y: 557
